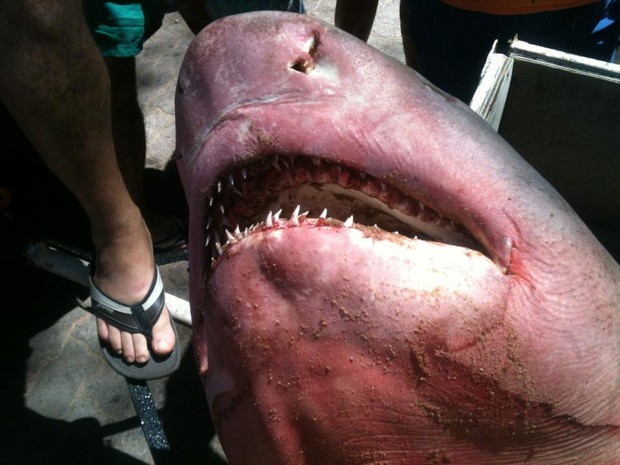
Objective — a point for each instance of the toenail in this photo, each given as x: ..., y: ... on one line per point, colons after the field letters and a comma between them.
x: 162, y: 346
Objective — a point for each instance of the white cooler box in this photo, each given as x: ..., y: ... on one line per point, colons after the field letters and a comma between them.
x: 561, y: 112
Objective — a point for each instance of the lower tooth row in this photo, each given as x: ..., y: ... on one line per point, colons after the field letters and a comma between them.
x: 270, y: 220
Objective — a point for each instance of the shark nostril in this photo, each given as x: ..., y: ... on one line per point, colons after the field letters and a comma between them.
x: 305, y: 64
x: 302, y: 65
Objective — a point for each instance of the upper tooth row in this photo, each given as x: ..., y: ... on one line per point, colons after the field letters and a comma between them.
x: 276, y: 162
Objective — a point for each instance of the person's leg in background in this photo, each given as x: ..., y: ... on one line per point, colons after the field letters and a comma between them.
x: 194, y: 13
x: 356, y: 17
x: 599, y: 35
x: 411, y: 55
x: 451, y: 45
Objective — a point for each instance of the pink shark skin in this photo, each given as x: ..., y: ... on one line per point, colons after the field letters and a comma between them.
x: 320, y: 342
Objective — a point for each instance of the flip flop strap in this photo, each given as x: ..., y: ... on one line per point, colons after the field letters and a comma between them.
x: 136, y: 318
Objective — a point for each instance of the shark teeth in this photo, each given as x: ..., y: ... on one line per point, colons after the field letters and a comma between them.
x: 272, y: 221
x: 236, y: 199
x: 230, y: 237
x: 295, y: 216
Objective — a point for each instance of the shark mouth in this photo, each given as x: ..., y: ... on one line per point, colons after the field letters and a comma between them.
x: 281, y: 192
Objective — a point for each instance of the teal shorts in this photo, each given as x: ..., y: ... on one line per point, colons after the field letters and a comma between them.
x: 120, y: 27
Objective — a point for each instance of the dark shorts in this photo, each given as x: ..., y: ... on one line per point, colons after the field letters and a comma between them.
x: 120, y: 27
x: 452, y: 44
x: 220, y: 8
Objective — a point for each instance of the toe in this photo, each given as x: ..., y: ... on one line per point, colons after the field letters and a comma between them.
x: 102, y: 329
x: 114, y: 339
x: 129, y: 351
x: 163, y: 334
x: 141, y: 348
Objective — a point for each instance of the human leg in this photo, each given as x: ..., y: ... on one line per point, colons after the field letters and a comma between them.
x: 591, y: 30
x: 127, y: 124
x: 54, y: 82
x: 194, y: 14
x: 411, y: 55
x: 130, y: 145
x: 451, y: 45
x: 356, y: 16
x: 219, y: 9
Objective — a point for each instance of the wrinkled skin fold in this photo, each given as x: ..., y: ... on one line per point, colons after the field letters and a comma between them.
x: 493, y: 337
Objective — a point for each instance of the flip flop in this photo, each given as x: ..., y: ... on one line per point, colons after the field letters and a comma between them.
x: 137, y: 318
